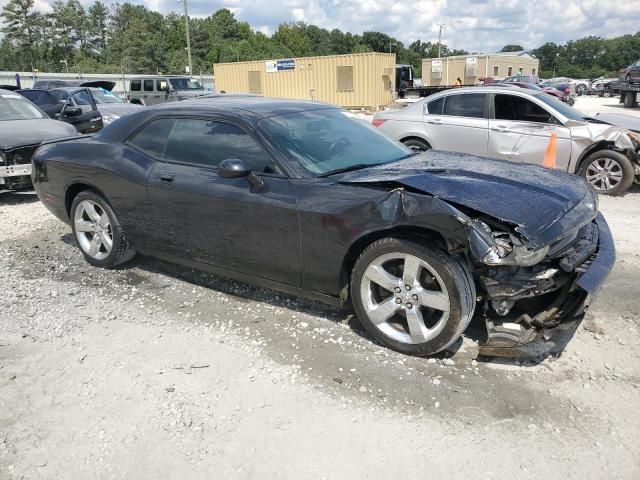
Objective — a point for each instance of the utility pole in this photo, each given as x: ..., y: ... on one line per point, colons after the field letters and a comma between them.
x: 186, y: 26
x: 441, y: 25
x: 391, y: 44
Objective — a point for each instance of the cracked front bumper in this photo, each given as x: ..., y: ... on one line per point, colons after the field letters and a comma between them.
x: 15, y: 170
x: 518, y: 340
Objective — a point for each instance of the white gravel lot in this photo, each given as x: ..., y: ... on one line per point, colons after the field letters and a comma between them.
x: 155, y: 371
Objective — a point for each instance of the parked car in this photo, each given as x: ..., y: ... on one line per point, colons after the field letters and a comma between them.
x: 516, y: 124
x: 49, y: 83
x: 151, y: 90
x: 606, y: 87
x: 631, y: 74
x: 108, y: 104
x: 531, y: 86
x: 416, y: 242
x: 521, y: 79
x: 578, y: 87
x: 23, y: 127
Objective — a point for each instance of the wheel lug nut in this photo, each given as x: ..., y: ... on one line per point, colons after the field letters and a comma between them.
x: 409, y: 305
x: 407, y: 287
x: 398, y: 300
x: 398, y: 290
x: 415, y: 297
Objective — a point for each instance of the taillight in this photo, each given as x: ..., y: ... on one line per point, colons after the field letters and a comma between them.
x: 377, y: 122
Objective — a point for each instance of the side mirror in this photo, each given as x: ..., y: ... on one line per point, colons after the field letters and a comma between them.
x: 233, y: 168
x: 72, y: 112
x: 236, y: 168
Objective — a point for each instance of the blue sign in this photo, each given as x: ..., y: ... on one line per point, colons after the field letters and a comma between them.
x: 287, y: 64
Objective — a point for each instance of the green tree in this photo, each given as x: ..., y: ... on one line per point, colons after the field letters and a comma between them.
x: 512, y: 48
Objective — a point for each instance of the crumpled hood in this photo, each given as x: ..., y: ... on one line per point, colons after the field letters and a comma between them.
x: 32, y: 132
x: 544, y: 204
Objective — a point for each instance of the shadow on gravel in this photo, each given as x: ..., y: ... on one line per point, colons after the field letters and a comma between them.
x: 17, y: 198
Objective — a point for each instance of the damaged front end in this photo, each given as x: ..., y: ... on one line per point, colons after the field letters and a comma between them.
x: 15, y: 168
x: 534, y: 299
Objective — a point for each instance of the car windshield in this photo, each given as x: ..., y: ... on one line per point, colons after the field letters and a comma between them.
x: 561, y: 107
x: 105, y: 96
x: 15, y: 107
x: 185, y: 84
x: 331, y: 140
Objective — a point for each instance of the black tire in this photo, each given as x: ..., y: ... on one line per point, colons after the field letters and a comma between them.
x: 455, y: 276
x: 630, y: 100
x: 416, y: 144
x: 628, y: 171
x: 122, y: 250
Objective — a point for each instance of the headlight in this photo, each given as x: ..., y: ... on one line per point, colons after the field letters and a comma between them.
x: 509, y: 250
x: 108, y: 118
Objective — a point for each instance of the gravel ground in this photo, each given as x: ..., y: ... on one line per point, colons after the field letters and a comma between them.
x: 154, y: 371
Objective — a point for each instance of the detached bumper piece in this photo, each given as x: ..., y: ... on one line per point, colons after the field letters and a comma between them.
x: 551, y: 327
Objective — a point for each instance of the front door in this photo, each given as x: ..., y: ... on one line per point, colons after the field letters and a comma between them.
x: 89, y: 120
x: 200, y: 216
x: 458, y: 123
x: 522, y: 129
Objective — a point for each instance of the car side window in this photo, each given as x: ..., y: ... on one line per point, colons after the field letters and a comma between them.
x: 465, y: 105
x: 135, y: 86
x: 435, y: 106
x: 208, y: 142
x: 148, y: 85
x: 60, y: 95
x: 81, y: 98
x: 162, y: 85
x: 520, y: 109
x: 152, y: 139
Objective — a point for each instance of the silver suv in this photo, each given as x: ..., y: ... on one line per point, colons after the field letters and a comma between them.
x: 513, y: 124
x: 154, y: 89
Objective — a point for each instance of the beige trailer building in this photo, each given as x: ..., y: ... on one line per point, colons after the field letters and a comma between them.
x: 470, y: 68
x: 363, y: 80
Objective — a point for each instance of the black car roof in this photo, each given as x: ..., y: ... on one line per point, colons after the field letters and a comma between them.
x: 247, y: 110
x: 258, y: 106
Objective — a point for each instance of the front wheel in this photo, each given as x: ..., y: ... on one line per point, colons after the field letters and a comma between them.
x: 609, y: 172
x: 412, y: 298
x: 98, y: 232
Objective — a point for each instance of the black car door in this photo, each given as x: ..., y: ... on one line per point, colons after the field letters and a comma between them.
x: 44, y: 100
x: 199, y: 216
x: 89, y: 119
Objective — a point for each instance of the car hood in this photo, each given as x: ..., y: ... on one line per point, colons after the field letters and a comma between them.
x: 118, y: 108
x: 190, y: 93
x: 20, y: 133
x: 542, y: 204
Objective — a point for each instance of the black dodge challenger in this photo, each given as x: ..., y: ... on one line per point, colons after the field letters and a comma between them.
x: 301, y: 197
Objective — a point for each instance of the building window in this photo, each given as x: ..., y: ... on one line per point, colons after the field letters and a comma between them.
x: 345, y: 78
x: 533, y: 71
x: 495, y: 71
x: 520, y: 71
x: 509, y: 71
x: 255, y: 82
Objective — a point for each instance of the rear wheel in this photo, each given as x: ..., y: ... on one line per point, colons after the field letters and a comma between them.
x: 609, y: 172
x: 416, y: 144
x: 411, y: 298
x: 98, y: 232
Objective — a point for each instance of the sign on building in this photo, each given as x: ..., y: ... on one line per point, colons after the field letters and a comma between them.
x: 436, y: 68
x: 471, y: 68
x: 280, y: 65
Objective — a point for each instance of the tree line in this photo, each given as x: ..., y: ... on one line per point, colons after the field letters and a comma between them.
x: 130, y: 38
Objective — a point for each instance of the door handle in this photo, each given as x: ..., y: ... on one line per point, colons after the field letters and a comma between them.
x: 435, y: 121
x: 500, y: 128
x: 166, y: 177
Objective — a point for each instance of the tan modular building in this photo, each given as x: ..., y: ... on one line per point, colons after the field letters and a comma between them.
x: 471, y: 68
x: 363, y: 80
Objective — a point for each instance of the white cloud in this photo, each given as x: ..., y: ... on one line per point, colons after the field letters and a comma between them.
x: 475, y: 25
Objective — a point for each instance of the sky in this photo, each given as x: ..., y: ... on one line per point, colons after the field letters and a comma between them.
x: 473, y: 25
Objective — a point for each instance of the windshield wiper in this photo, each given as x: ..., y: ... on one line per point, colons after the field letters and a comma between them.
x: 350, y: 168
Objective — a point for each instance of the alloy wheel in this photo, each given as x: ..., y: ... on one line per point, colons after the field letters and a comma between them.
x: 93, y: 230
x: 604, y: 174
x: 405, y: 298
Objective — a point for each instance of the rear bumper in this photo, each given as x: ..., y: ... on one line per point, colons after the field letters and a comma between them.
x: 519, y: 340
